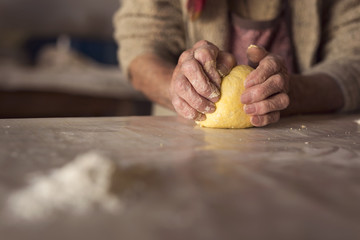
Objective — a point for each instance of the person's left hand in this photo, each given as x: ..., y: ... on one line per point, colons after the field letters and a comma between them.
x: 266, y: 88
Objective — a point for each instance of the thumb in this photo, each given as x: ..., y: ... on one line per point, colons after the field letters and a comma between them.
x: 255, y: 54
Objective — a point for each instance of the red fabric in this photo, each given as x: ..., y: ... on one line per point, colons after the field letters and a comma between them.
x: 195, y: 8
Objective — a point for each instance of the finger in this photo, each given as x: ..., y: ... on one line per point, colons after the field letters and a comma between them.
x: 185, y: 110
x: 185, y: 91
x: 224, y: 63
x: 206, y: 56
x: 268, y: 66
x: 275, y: 103
x: 186, y: 55
x: 275, y: 84
x: 199, y: 80
x: 203, y: 43
x: 255, y: 54
x: 263, y: 120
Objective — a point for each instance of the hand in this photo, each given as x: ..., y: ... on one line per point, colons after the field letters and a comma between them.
x: 195, y: 83
x: 266, y: 87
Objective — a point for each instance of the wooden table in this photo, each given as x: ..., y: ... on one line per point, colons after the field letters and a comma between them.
x: 297, y: 179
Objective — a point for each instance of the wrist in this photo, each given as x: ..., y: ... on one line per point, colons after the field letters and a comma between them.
x: 151, y: 75
x: 317, y: 93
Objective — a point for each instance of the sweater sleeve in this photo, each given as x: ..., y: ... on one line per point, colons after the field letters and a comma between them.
x: 340, y: 50
x: 154, y: 26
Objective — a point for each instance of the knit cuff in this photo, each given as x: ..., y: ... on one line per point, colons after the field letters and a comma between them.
x: 346, y: 73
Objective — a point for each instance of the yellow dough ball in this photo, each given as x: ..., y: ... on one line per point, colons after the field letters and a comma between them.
x: 229, y: 109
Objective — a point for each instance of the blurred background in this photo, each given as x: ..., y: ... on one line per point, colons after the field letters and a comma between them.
x: 58, y: 59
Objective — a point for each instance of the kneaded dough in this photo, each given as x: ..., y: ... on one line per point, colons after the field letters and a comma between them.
x: 229, y: 109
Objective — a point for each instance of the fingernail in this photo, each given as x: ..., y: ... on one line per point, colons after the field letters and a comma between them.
x: 210, y: 108
x: 253, y: 46
x: 255, y: 120
x: 200, y: 117
x: 249, y: 109
x: 222, y: 70
x: 248, y: 83
x: 215, y: 93
x: 246, y: 98
x: 221, y: 73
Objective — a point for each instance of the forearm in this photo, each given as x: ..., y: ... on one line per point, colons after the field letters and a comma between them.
x: 316, y: 93
x: 151, y: 75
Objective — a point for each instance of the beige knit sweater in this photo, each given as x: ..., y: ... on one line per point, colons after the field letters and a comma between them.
x: 326, y: 35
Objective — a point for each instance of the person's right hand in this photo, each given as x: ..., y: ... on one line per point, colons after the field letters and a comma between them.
x: 195, y: 83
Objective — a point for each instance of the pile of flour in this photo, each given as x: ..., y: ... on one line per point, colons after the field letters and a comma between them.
x: 76, y: 188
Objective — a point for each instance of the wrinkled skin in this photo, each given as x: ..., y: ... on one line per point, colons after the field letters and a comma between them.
x: 195, y: 83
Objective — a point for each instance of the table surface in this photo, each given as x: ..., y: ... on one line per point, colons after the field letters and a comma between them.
x: 297, y: 179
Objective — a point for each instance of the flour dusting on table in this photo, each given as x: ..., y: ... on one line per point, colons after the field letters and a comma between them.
x: 76, y: 188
